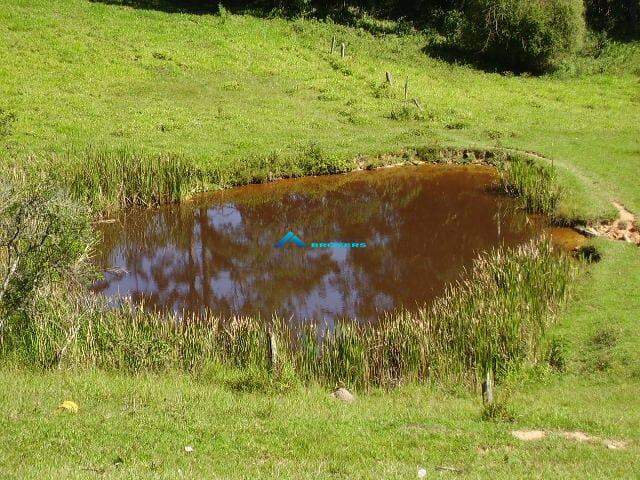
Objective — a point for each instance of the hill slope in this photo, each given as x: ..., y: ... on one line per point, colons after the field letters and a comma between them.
x: 216, y: 89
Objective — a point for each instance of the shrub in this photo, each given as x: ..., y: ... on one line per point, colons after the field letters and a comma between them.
x: 42, y: 237
x: 287, y: 8
x: 497, y: 412
x: 315, y: 161
x: 620, y: 18
x: 523, y: 35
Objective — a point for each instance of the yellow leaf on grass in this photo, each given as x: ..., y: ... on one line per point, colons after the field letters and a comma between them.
x: 69, y: 406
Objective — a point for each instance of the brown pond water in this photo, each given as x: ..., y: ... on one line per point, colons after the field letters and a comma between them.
x: 421, y: 226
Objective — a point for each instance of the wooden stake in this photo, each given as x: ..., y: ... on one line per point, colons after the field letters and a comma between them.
x: 333, y: 44
x: 487, y: 387
x: 389, y: 78
x: 273, y: 349
x: 406, y: 89
x: 343, y: 50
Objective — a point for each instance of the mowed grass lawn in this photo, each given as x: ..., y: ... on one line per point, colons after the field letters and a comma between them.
x: 216, y: 90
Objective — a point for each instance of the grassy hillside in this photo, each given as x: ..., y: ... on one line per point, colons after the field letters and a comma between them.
x: 219, y: 91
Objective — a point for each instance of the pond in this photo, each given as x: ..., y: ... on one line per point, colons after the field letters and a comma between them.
x: 361, y: 244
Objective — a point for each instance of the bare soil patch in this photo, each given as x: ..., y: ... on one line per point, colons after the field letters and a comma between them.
x: 578, y: 436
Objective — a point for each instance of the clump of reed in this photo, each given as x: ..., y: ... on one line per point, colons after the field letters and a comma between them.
x: 109, y: 180
x: 531, y: 182
x: 494, y: 318
x: 122, y: 178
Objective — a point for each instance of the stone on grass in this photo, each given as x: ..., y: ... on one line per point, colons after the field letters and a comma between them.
x: 615, y: 444
x: 343, y: 395
x: 69, y: 406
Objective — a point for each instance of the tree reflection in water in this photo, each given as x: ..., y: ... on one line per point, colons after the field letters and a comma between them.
x: 422, y: 225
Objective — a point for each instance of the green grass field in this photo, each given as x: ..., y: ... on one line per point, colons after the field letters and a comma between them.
x: 217, y: 91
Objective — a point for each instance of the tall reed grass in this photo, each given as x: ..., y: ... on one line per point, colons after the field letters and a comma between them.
x: 532, y: 182
x: 109, y: 180
x: 121, y: 178
x: 495, y: 317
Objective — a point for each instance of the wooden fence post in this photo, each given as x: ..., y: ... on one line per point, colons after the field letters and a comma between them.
x: 343, y: 50
x: 487, y: 387
x: 273, y: 349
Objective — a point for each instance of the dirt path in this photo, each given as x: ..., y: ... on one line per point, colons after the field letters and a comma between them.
x: 578, y: 436
x: 624, y: 228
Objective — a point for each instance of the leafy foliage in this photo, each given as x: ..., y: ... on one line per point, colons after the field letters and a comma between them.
x: 42, y: 236
x: 523, y: 34
x: 621, y: 18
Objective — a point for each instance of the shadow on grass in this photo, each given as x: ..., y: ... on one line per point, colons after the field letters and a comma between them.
x: 352, y: 17
x: 198, y: 7
x: 458, y: 56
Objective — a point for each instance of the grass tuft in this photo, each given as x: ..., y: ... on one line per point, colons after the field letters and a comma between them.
x: 124, y: 178
x: 532, y: 182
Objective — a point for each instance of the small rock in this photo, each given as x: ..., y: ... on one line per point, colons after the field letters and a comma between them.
x: 615, y: 444
x: 422, y: 472
x: 188, y: 449
x: 586, y: 231
x: 343, y: 395
x: 529, y: 435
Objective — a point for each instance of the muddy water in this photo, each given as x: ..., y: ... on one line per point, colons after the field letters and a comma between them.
x: 411, y: 231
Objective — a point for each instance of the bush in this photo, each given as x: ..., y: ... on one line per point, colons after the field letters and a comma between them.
x: 42, y: 236
x: 523, y: 35
x: 286, y: 8
x: 620, y: 18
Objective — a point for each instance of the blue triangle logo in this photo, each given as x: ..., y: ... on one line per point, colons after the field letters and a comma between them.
x: 290, y: 238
